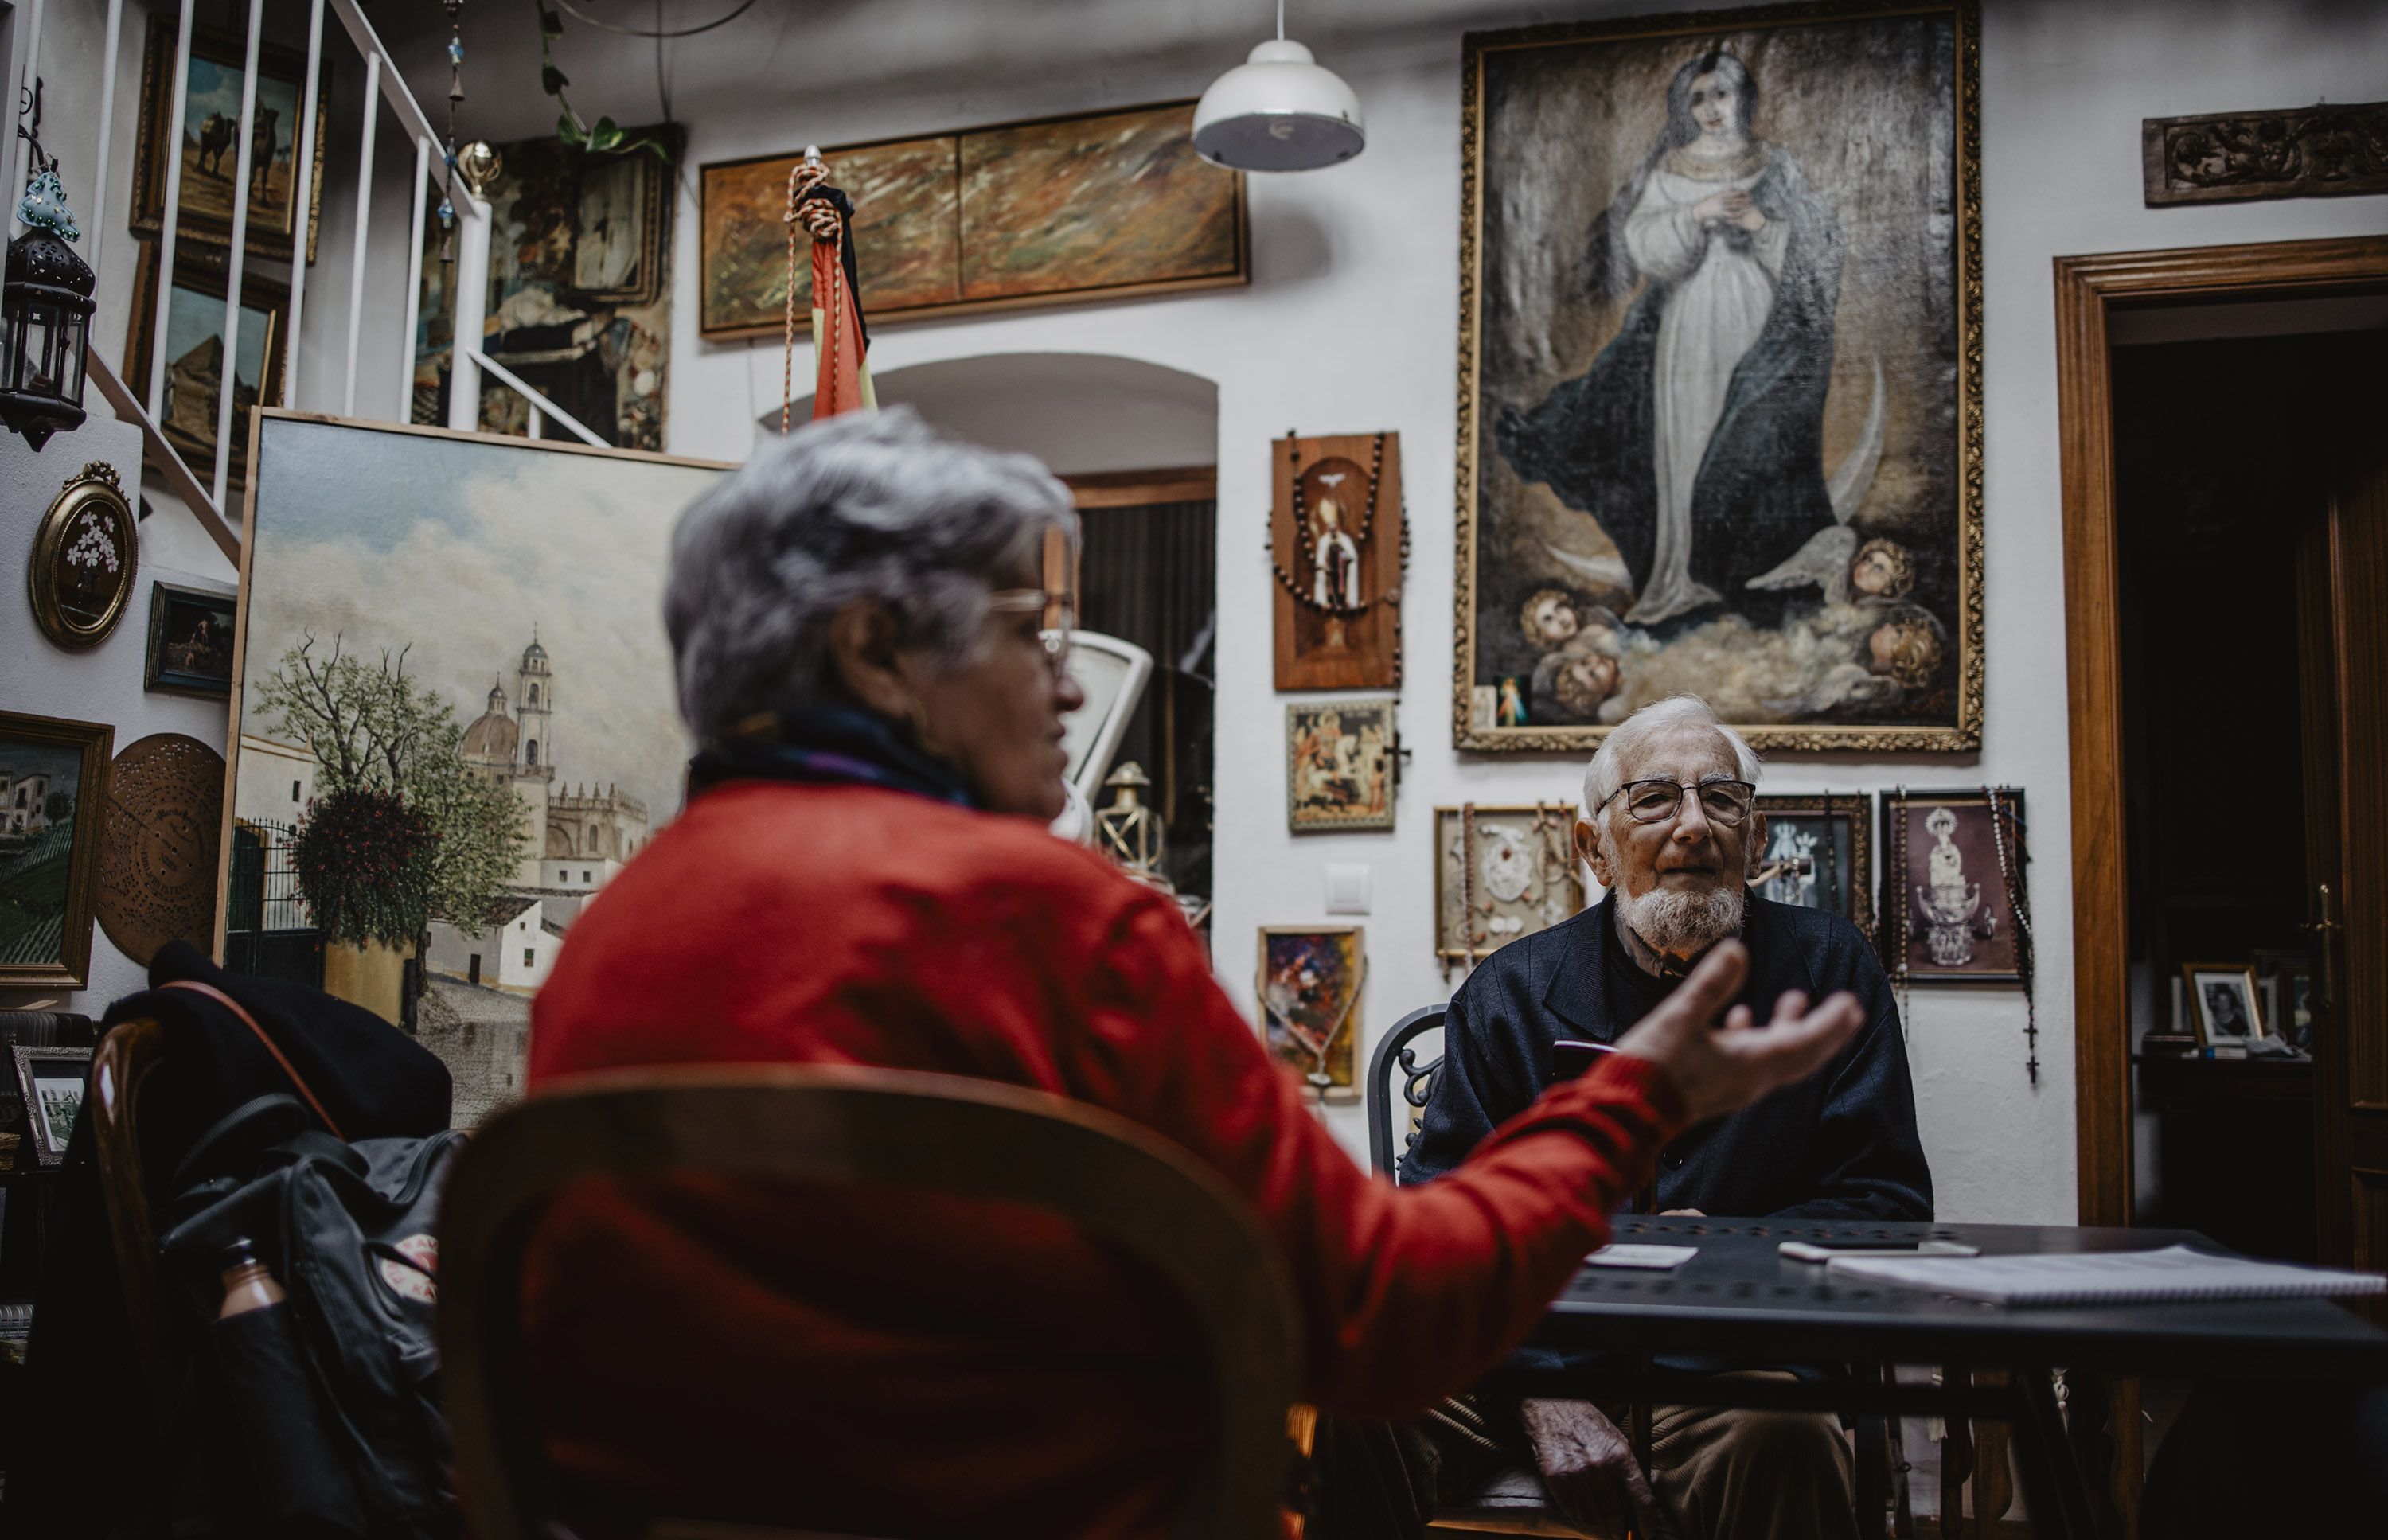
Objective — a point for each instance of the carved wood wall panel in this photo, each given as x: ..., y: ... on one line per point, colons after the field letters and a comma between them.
x: 2306, y: 152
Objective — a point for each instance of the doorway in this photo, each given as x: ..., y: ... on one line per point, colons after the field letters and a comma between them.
x: 2313, y: 876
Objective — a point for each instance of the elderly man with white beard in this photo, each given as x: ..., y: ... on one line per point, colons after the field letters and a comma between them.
x: 1671, y: 829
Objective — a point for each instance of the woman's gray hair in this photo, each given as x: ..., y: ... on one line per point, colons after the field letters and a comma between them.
x: 1605, y: 772
x: 864, y: 507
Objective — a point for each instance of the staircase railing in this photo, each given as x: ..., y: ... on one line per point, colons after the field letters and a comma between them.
x: 144, y: 402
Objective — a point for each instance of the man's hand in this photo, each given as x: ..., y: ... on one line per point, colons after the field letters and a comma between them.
x: 1723, y: 1069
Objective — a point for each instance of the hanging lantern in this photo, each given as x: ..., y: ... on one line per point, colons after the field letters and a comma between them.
x: 45, y: 314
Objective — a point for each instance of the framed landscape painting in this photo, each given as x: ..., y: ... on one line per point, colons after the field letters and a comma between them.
x: 53, y: 791
x: 195, y: 354
x: 1095, y: 206
x: 1720, y: 377
x: 484, y: 614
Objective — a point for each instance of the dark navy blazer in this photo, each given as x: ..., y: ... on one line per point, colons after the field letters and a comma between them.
x: 1839, y: 1145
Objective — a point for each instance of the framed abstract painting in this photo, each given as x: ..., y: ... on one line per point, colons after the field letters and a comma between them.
x: 1720, y: 377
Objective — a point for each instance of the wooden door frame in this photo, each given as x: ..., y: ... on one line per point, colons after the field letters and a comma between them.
x: 2087, y: 290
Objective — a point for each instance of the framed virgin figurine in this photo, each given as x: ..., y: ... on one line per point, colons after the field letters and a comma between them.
x: 1720, y: 377
x: 1955, y: 904
x: 1819, y: 855
x: 1335, y: 539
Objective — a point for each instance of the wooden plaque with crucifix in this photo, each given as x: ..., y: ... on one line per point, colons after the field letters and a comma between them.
x: 1336, y: 539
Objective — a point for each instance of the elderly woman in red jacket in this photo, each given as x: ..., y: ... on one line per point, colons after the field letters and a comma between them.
x: 863, y: 876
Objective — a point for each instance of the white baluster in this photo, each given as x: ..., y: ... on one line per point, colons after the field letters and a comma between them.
x: 414, y: 283
x: 472, y: 309
x: 302, y: 189
x: 179, y: 101
x: 243, y: 165
x: 364, y: 225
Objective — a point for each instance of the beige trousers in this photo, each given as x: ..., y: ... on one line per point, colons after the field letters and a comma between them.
x: 1739, y: 1475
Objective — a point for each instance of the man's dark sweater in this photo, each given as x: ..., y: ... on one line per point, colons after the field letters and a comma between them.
x: 1839, y: 1145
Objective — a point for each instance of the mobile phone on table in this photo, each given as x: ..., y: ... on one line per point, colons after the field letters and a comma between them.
x: 1571, y: 1058
x: 1825, y: 1251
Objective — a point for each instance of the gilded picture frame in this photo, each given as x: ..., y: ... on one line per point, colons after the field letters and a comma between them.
x: 86, y: 559
x: 2224, y: 1003
x: 53, y: 794
x: 1844, y: 467
x: 216, y: 67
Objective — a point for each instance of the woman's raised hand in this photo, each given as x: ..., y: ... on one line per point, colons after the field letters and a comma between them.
x: 1721, y: 1069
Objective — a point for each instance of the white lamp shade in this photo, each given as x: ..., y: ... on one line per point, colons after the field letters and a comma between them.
x: 1279, y: 111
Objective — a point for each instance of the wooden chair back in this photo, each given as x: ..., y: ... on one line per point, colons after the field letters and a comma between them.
x: 121, y: 1067
x: 857, y: 1128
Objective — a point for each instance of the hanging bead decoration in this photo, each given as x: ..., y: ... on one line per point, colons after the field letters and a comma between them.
x: 455, y: 96
x: 2011, y: 872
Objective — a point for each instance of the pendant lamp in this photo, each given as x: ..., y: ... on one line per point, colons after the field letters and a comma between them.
x: 1279, y: 111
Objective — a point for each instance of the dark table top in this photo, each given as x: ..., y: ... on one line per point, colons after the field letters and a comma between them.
x: 1740, y: 1298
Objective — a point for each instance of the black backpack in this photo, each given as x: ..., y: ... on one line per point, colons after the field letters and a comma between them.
x: 336, y: 1391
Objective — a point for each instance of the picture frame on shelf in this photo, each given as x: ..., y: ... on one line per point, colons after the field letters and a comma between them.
x: 53, y: 802
x: 1342, y: 765
x: 1501, y: 872
x: 2289, y: 996
x: 1310, y: 985
x: 2224, y: 1003
x: 208, y: 142
x: 1819, y: 853
x: 50, y: 1084
x: 190, y: 640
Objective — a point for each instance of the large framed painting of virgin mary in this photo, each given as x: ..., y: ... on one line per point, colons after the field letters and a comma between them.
x: 1720, y: 377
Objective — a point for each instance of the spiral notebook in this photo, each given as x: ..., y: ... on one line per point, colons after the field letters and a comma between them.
x: 2106, y: 1277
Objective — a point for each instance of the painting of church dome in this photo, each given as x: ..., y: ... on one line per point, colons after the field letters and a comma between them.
x: 489, y: 743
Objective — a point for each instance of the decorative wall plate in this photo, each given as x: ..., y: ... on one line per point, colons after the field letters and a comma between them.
x: 163, y: 827
x: 84, y: 556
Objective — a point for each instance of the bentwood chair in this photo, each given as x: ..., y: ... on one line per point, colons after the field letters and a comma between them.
x: 847, y: 1127
x: 119, y: 1072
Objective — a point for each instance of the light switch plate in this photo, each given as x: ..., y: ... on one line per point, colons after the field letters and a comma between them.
x: 1351, y: 886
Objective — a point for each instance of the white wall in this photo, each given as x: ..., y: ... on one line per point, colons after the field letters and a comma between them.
x: 1350, y: 325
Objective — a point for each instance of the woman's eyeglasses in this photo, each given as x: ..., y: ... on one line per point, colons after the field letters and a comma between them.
x: 1725, y: 802
x: 1060, y: 608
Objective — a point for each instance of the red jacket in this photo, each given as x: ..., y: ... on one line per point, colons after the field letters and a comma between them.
x: 788, y: 1358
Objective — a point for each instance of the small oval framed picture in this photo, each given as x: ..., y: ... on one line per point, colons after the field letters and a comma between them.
x: 84, y: 556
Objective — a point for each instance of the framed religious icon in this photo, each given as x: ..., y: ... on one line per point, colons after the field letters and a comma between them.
x: 1342, y: 761
x: 86, y: 553
x: 1819, y: 855
x: 1954, y: 909
x: 208, y: 140
x: 1501, y: 872
x: 1719, y: 376
x: 195, y: 354
x: 1309, y: 987
x: 53, y: 796
x: 1336, y: 539
x: 50, y: 1082
x: 190, y: 640
x: 2224, y: 1003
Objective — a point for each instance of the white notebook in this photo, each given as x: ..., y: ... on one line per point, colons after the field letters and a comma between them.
x: 2106, y: 1277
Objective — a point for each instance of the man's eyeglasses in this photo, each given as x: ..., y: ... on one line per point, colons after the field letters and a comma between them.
x: 1726, y: 803
x: 1060, y: 608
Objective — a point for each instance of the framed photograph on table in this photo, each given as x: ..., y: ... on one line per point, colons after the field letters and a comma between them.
x: 2285, y: 982
x: 50, y: 1085
x: 2224, y: 1003
x: 1720, y: 377
x: 1310, y: 981
x: 208, y: 139
x: 1954, y: 905
x: 52, y: 796
x: 1501, y: 872
x: 1819, y: 855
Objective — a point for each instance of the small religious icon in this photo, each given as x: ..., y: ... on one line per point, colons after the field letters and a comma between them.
x: 1512, y: 710
x: 1336, y: 550
x: 1947, y: 903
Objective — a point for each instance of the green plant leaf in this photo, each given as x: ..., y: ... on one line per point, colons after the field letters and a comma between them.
x: 552, y: 80
x: 605, y: 135
x: 567, y: 129
x: 549, y: 24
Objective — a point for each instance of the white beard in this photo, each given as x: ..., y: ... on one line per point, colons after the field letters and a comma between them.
x: 1681, y: 923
